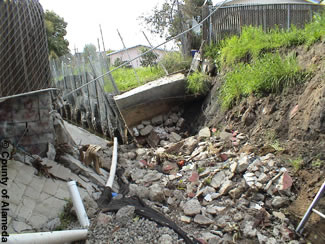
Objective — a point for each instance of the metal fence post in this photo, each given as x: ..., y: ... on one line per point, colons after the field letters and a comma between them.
x: 288, y: 24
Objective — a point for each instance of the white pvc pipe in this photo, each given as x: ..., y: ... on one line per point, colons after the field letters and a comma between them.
x: 113, y: 166
x: 54, y: 237
x: 78, y: 205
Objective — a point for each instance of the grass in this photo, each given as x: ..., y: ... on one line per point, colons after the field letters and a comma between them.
x: 66, y: 217
x: 197, y: 83
x: 126, y: 79
x: 297, y: 163
x: 270, y: 73
x: 254, y: 42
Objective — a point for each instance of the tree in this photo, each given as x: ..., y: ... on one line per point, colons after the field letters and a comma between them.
x: 174, y: 17
x: 149, y: 59
x: 89, y: 51
x: 56, y: 30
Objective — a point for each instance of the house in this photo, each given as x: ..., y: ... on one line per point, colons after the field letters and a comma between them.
x: 131, y: 53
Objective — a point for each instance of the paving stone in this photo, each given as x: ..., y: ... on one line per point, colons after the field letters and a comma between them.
x: 50, y: 186
x: 20, y: 226
x: 16, y: 193
x: 62, y: 193
x: 26, y: 208
x: 50, y: 207
x: 25, y: 174
x: 37, y: 220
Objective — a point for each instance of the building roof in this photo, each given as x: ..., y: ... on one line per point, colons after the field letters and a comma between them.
x: 136, y: 46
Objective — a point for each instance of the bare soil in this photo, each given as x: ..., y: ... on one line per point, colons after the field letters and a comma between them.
x: 293, y: 124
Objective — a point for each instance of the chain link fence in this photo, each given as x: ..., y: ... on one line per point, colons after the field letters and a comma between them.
x: 92, y: 106
x: 24, y: 64
x: 229, y: 19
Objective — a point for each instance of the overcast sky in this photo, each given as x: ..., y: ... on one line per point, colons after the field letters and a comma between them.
x: 84, y: 16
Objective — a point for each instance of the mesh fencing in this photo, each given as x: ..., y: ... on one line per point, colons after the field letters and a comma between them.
x: 24, y: 64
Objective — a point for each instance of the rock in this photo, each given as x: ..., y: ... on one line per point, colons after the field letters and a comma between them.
x: 185, y: 219
x: 189, y: 145
x: 158, y: 120
x: 153, y: 139
x: 261, y: 238
x: 135, y: 132
x: 156, y: 193
x: 248, y: 229
x: 192, y: 207
x: 180, y: 122
x: 236, y: 192
x: 243, y: 164
x: 124, y: 214
x: 146, y: 122
x: 141, y: 151
x: 225, y: 136
x: 194, y: 177
x: 168, y: 122
x: 103, y: 219
x: 218, y: 179
x: 174, y: 137
x: 238, y: 216
x: 248, y: 117
x: 138, y: 190
x: 146, y: 130
x: 169, y: 168
x: 140, y: 126
x: 174, y: 118
x: 285, y: 182
x: 208, y: 190
x: 250, y: 178
x: 278, y: 202
x: 279, y: 215
x: 51, y: 153
x: 202, y: 220
x: 206, y: 236
x: 165, y: 239
x: 163, y: 143
x: 132, y: 155
x: 204, y: 133
x: 226, y: 187
x: 152, y: 176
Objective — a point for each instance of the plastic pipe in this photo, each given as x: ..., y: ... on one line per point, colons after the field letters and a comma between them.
x: 113, y: 165
x: 78, y: 205
x: 54, y: 237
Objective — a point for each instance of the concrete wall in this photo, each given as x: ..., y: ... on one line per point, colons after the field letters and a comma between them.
x: 133, y: 52
x: 31, y: 112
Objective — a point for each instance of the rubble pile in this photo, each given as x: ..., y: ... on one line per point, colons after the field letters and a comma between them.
x: 211, y: 185
x: 161, y: 130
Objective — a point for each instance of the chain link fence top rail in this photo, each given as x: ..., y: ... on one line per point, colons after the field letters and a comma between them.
x: 229, y: 20
x: 24, y: 64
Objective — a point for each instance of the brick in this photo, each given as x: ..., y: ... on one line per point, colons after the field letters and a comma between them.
x: 44, y: 100
x: 24, y: 115
x: 40, y: 127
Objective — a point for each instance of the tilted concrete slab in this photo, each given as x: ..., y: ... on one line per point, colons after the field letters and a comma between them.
x: 151, y: 99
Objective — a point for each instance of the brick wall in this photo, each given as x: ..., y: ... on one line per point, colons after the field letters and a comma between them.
x: 30, y: 111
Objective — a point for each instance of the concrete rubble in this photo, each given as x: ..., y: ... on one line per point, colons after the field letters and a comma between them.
x: 210, y: 184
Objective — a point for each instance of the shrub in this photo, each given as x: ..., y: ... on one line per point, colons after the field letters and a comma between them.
x: 174, y: 61
x: 197, y: 83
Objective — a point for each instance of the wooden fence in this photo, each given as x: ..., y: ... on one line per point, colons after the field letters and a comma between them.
x: 229, y: 20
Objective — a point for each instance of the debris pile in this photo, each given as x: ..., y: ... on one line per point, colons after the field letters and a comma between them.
x: 161, y: 130
x: 214, y: 189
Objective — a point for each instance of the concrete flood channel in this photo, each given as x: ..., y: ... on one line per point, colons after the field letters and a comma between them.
x: 206, y: 188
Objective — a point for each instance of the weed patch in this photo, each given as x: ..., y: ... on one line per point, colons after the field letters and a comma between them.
x: 197, y: 83
x: 297, y: 163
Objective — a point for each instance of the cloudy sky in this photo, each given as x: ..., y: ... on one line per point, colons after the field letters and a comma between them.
x: 84, y: 16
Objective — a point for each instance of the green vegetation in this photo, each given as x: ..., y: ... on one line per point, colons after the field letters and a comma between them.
x: 270, y: 73
x: 66, y: 217
x: 174, y: 61
x: 126, y: 79
x: 197, y: 83
x: 317, y: 163
x: 255, y: 67
x: 297, y: 163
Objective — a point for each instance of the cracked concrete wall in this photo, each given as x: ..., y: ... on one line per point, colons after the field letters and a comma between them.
x: 26, y: 120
